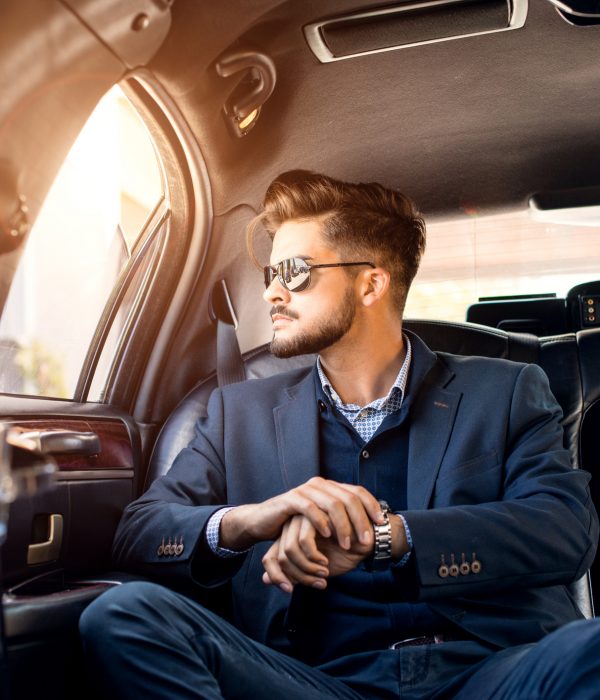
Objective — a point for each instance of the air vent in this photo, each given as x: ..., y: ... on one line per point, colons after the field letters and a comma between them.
x: 406, y: 25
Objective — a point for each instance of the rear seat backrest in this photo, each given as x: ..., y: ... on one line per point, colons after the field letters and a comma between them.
x: 588, y: 345
x: 559, y: 358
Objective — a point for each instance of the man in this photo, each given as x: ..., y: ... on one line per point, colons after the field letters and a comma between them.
x: 393, y: 522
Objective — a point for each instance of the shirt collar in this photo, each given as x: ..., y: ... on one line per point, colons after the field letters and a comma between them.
x: 399, y: 384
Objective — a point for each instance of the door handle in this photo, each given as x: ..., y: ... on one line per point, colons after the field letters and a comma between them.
x: 61, y: 442
x: 50, y: 549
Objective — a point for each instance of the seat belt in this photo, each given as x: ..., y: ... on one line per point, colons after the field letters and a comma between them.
x: 230, y: 363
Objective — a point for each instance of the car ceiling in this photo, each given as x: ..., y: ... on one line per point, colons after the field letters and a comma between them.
x: 473, y: 124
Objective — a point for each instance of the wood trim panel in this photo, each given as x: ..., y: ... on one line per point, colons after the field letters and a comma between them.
x: 116, y: 452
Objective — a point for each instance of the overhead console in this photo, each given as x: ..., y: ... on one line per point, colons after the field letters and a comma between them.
x: 403, y: 25
x: 541, y: 315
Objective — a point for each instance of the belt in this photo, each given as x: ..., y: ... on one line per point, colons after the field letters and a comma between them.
x: 421, y: 641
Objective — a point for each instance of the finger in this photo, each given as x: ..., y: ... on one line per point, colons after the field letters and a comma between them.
x: 345, y: 508
x: 370, y: 503
x: 336, y: 503
x: 291, y: 556
x: 280, y: 569
x: 273, y: 574
x: 298, y: 502
x: 373, y: 510
x: 300, y: 576
x: 307, y: 539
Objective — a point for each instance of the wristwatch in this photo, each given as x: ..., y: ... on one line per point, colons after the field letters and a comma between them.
x: 382, y: 552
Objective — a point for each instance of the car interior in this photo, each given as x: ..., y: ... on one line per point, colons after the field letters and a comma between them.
x: 127, y: 289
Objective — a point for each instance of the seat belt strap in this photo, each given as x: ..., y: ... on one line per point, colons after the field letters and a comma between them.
x: 230, y: 364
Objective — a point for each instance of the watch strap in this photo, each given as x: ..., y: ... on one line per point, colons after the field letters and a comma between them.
x: 382, y: 550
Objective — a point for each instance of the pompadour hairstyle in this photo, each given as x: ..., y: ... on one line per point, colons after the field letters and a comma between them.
x: 362, y: 221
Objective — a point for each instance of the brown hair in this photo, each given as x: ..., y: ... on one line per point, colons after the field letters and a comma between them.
x: 361, y: 221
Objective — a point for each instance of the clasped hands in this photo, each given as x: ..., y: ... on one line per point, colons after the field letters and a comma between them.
x: 320, y: 529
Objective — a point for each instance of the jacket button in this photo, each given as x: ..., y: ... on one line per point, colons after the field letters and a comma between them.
x: 321, y: 405
x: 365, y: 454
x: 475, y: 564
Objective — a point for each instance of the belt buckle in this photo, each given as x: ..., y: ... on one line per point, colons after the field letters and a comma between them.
x: 418, y: 641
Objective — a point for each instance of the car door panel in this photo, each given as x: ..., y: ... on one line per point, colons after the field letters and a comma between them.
x: 57, y: 549
x: 87, y: 497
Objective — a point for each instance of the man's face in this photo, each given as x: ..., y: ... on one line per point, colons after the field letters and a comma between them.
x: 314, y: 319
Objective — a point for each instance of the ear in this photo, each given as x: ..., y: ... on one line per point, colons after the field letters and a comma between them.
x: 375, y: 285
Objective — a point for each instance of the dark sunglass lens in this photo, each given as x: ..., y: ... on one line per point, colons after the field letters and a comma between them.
x: 287, y: 271
x: 269, y: 273
x: 293, y: 274
x: 299, y: 277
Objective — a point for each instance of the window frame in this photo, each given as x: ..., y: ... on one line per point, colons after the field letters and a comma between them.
x: 140, y: 358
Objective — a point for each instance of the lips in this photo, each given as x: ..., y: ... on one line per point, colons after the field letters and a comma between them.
x: 281, y: 316
x: 280, y: 321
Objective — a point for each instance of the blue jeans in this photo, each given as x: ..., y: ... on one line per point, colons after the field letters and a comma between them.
x: 145, y: 641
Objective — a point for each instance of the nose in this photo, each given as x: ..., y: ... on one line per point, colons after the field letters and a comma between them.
x: 276, y: 293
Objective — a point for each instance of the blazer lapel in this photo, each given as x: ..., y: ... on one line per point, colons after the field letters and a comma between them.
x: 432, y: 419
x: 297, y: 432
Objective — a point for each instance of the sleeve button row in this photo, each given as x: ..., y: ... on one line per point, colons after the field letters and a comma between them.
x: 454, y: 569
x: 174, y: 549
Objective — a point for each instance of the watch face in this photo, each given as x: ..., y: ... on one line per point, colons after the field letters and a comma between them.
x: 384, y: 506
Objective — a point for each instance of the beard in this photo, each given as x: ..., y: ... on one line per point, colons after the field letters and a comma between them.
x: 328, y: 331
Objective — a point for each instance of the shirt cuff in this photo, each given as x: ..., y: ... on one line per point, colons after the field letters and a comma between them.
x: 213, y: 528
x: 409, y: 541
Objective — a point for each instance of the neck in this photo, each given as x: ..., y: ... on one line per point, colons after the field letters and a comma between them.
x: 363, y: 366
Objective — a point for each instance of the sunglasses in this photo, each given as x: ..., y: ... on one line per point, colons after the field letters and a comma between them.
x: 294, y: 273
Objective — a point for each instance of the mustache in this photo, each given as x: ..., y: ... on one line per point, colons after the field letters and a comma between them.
x: 283, y: 311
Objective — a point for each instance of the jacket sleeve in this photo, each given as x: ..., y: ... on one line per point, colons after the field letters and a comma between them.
x: 162, y: 533
x: 543, y: 528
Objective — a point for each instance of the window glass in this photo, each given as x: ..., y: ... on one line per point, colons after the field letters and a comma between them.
x: 500, y: 255
x: 94, y: 212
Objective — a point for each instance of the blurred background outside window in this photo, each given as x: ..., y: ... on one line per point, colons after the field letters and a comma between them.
x: 500, y: 255
x: 108, y: 185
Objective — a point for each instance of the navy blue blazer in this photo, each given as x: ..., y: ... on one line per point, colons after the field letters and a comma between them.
x: 487, y: 476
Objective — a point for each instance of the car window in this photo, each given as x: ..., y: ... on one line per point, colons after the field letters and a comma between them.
x: 107, y: 188
x: 501, y: 255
